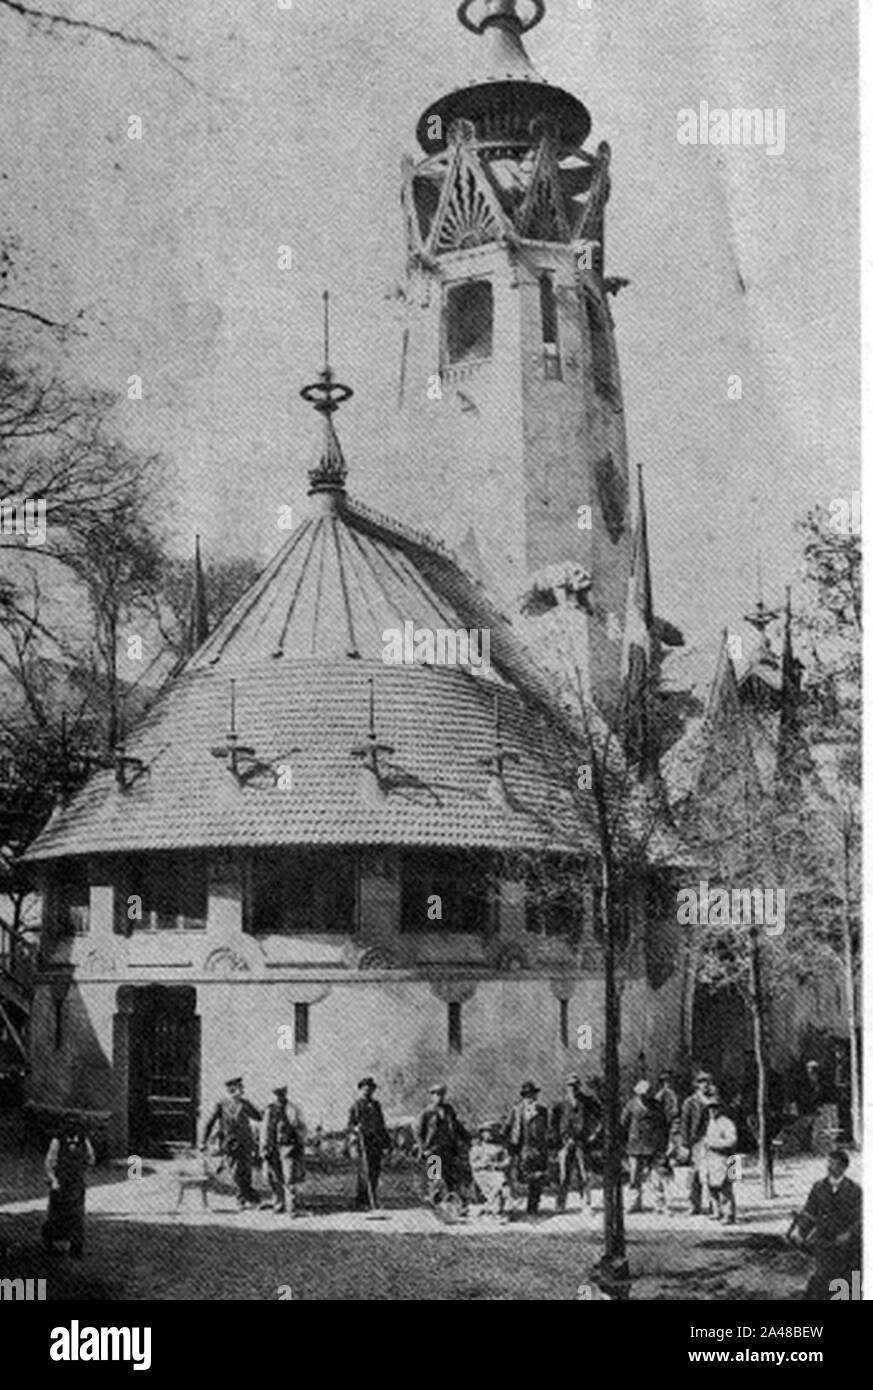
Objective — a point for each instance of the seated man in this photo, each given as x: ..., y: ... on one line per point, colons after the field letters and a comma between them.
x: 832, y: 1218
x: 489, y: 1161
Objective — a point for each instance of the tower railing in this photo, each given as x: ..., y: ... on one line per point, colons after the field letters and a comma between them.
x: 17, y: 967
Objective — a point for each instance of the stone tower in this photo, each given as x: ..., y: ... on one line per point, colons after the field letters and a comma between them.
x: 509, y: 382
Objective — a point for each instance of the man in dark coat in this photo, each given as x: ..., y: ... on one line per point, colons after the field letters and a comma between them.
x: 368, y: 1132
x: 693, y: 1124
x: 282, y: 1148
x: 645, y: 1135
x: 832, y: 1216
x: 576, y: 1124
x: 529, y: 1144
x: 233, y: 1118
x: 69, y: 1156
x: 442, y: 1142
x: 815, y: 1101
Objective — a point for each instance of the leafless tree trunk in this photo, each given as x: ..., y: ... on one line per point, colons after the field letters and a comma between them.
x: 849, y: 977
x: 765, y: 1148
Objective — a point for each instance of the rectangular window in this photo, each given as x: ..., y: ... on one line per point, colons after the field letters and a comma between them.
x: 293, y: 891
x: 564, y: 1021
x: 59, y: 1023
x: 74, y: 900
x: 455, y: 1040
x: 164, y: 892
x: 445, y: 890
x: 301, y: 1027
x: 468, y: 322
x: 601, y: 352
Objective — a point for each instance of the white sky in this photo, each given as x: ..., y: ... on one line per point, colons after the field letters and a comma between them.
x: 295, y: 136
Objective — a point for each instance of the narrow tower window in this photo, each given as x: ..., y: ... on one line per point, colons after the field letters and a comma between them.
x: 301, y: 1027
x: 468, y: 322
x: 564, y: 1021
x: 601, y: 355
x: 455, y: 1041
x: 549, y: 322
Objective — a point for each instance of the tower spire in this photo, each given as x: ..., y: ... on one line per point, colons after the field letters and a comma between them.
x: 762, y: 617
x: 508, y: 102
x: 326, y: 395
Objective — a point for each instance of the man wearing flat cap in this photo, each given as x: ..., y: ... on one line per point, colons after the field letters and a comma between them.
x: 442, y: 1142
x: 529, y: 1144
x: 282, y: 1148
x: 693, y: 1124
x: 576, y: 1121
x: 233, y: 1116
x: 369, y: 1135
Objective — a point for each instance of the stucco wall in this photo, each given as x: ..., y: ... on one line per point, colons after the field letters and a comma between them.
x: 395, y: 1029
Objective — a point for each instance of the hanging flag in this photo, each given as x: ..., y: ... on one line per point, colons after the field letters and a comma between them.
x: 638, y: 649
x: 198, y: 627
x: 792, y: 755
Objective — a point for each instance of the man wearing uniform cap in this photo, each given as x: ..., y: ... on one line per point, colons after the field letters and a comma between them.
x: 368, y: 1132
x: 233, y: 1116
x: 529, y: 1144
x: 442, y: 1142
x: 282, y: 1147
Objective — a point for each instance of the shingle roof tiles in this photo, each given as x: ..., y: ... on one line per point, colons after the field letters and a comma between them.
x: 439, y: 722
x: 301, y: 646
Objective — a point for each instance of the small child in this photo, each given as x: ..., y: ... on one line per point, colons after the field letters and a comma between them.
x: 489, y: 1162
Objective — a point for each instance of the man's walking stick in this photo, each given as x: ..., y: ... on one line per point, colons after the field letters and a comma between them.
x: 373, y: 1214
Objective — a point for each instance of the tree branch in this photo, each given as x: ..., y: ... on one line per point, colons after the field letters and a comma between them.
x: 31, y: 313
x: 47, y: 18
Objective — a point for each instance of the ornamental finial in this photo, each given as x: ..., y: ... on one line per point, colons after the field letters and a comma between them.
x: 326, y: 395
x: 503, y: 13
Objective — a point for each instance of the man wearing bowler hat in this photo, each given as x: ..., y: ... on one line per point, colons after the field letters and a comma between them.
x: 282, y: 1148
x: 529, y: 1144
x: 233, y: 1117
x: 371, y: 1139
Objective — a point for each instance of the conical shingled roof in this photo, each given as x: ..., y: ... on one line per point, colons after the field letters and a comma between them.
x: 345, y: 577
x: 302, y: 647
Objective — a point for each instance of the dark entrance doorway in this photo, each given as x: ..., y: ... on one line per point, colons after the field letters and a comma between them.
x: 164, y: 1068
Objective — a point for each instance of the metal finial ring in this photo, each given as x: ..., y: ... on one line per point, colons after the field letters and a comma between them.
x: 521, y: 26
x: 327, y: 395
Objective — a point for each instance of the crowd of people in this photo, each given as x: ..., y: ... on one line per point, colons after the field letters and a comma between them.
x: 507, y: 1161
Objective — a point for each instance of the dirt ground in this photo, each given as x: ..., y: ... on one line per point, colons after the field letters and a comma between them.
x: 140, y: 1247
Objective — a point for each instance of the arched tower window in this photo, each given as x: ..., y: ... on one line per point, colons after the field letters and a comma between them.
x: 468, y: 322
x: 549, y: 323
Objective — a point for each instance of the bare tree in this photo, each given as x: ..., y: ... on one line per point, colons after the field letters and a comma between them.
x: 607, y: 814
